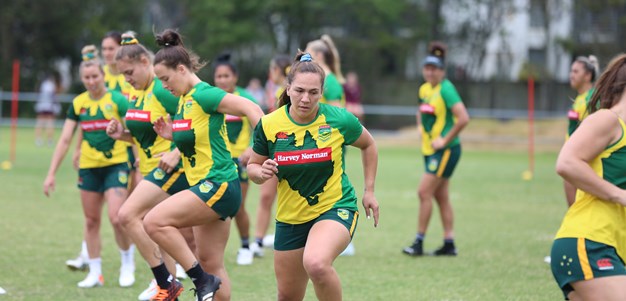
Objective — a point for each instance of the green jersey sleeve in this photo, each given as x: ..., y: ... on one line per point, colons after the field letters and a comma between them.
x: 449, y: 94
x: 71, y: 112
x: 352, y: 128
x: 333, y: 91
x: 209, y: 98
x: 260, y: 140
x: 167, y: 99
x: 121, y: 102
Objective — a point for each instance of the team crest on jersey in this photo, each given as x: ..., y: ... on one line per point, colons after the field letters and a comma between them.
x: 133, y: 99
x: 343, y: 214
x: 187, y: 106
x: 108, y: 108
x: 323, y: 133
x: 281, y: 136
x: 122, y: 176
x: 432, y: 164
x: 158, y: 174
x: 206, y: 186
x: 83, y: 111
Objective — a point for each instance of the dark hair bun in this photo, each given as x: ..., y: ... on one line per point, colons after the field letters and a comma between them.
x: 169, y: 38
x: 437, y: 49
x: 223, y: 58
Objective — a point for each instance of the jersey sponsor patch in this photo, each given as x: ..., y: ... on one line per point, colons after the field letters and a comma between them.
x: 138, y: 115
x: 427, y: 109
x: 604, y: 264
x: 573, y: 115
x: 303, y: 156
x: 324, y: 132
x: 181, y: 125
x: 94, y: 125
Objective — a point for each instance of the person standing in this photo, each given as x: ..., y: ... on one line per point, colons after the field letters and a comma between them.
x: 441, y: 117
x: 103, y: 174
x: 199, y: 131
x: 47, y: 108
x: 590, y: 246
x: 226, y: 75
x: 302, y: 144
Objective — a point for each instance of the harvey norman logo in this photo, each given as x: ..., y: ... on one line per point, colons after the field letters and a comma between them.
x: 181, y: 125
x: 138, y: 115
x: 303, y: 156
x: 94, y: 125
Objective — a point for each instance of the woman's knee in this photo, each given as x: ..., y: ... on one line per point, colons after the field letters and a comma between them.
x: 316, y: 268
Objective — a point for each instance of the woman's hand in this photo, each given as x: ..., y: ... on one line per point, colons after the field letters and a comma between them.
x: 439, y: 143
x: 269, y: 168
x: 115, y: 129
x: 76, y: 159
x: 163, y: 127
x: 371, y: 206
x: 48, y: 185
x: 169, y: 160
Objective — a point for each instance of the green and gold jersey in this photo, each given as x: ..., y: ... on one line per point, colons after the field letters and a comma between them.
x: 93, y: 116
x: 578, y: 112
x: 239, y: 132
x: 593, y: 218
x: 200, y: 135
x: 435, y: 106
x: 310, y: 157
x: 145, y: 107
x: 333, y: 90
x: 116, y: 82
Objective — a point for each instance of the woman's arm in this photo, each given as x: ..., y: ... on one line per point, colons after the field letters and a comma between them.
x: 261, y: 168
x: 240, y: 106
x: 594, y: 134
x: 59, y: 153
x: 116, y: 130
x: 369, y: 158
x: 462, y: 119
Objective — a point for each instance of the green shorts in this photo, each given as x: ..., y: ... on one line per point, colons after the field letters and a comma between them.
x: 100, y: 179
x: 170, y: 183
x: 224, y: 198
x: 443, y: 162
x: 242, y: 171
x: 131, y: 158
x: 576, y: 259
x: 291, y: 237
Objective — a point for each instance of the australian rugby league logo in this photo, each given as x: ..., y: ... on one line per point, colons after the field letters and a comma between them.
x: 158, y: 174
x: 122, y: 176
x: 323, y: 133
x: 206, y: 186
x: 187, y: 106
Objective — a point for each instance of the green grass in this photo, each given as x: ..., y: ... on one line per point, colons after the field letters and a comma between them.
x: 504, y: 228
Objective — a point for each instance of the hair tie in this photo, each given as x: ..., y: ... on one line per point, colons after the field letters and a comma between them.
x: 129, y: 41
x: 89, y: 56
x: 167, y: 44
x: 306, y: 58
x: 287, y: 69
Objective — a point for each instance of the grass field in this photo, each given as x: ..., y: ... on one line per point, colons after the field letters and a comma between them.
x: 504, y: 228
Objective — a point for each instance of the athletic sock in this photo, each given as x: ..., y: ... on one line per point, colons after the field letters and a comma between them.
x: 245, y: 243
x: 259, y: 241
x: 161, y: 275
x: 128, y: 256
x: 84, y: 253
x: 420, y: 236
x: 197, y: 274
x: 95, y: 266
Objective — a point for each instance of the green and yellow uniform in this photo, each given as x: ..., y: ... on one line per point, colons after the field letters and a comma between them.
x: 591, y: 241
x: 145, y: 107
x: 239, y: 134
x: 578, y: 111
x: 435, y: 106
x: 333, y: 90
x: 200, y: 134
x: 116, y: 82
x: 97, y: 149
x: 311, y: 167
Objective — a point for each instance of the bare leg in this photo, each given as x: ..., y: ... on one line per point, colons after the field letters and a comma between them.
x: 264, y: 211
x: 92, y: 208
x: 211, y: 241
x: 242, y: 218
x: 442, y: 196
x: 605, y: 288
x: 426, y: 191
x: 115, y: 198
x: 291, y: 277
x: 326, y: 240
